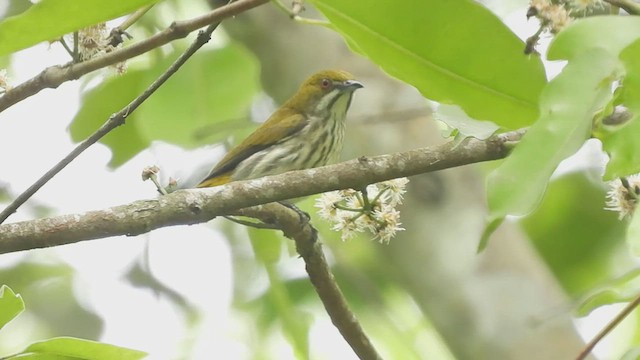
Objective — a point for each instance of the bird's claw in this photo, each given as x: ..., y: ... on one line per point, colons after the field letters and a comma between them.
x: 304, y: 216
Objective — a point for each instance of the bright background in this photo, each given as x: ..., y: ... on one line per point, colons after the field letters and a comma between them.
x: 218, y: 290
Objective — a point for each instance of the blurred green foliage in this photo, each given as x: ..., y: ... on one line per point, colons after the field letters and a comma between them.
x: 493, y: 84
x: 42, y: 21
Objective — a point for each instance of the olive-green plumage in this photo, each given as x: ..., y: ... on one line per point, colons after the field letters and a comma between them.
x: 306, y: 131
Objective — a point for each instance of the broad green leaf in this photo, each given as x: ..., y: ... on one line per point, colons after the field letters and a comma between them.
x: 611, y: 33
x: 102, y: 101
x: 81, y: 349
x: 567, y: 107
x: 212, y: 87
x: 11, y: 305
x: 42, y: 21
x: 605, y: 297
x: 576, y: 236
x: 621, y: 143
x: 267, y: 245
x: 455, y: 118
x: 454, y: 52
x: 614, y: 291
x: 48, y: 288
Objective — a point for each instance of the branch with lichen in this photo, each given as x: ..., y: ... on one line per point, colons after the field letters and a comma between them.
x: 54, y: 76
x: 193, y: 206
x: 247, y: 198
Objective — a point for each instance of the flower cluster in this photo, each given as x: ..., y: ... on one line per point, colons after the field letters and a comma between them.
x: 94, y: 41
x: 4, y: 81
x: 586, y: 6
x: 623, y: 195
x: 553, y: 17
x: 372, y: 209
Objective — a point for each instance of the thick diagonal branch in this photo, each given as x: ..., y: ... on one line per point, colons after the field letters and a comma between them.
x: 319, y: 272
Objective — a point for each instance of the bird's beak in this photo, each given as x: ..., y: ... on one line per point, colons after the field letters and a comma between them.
x: 351, y: 85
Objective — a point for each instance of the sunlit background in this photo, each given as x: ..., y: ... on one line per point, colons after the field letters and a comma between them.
x: 218, y: 290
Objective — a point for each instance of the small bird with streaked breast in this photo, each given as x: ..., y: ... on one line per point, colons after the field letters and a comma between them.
x: 307, y: 131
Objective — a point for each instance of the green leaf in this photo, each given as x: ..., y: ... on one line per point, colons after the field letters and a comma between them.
x: 42, y: 21
x: 212, y: 87
x: 490, y: 227
x: 80, y: 349
x: 614, y: 291
x: 267, y: 245
x: 455, y: 118
x: 575, y: 235
x: 604, y: 297
x: 11, y: 305
x: 49, y: 290
x: 454, y: 52
x: 102, y: 101
x: 611, y: 33
x: 621, y: 143
x: 567, y: 107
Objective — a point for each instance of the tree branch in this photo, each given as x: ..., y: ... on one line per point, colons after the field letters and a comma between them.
x: 200, y: 205
x: 54, y: 76
x: 320, y: 275
x: 607, y: 329
x: 630, y: 6
x: 114, y: 121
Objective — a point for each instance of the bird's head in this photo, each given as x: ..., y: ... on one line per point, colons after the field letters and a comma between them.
x: 320, y: 91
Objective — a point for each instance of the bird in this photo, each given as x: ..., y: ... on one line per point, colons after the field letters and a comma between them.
x: 307, y: 131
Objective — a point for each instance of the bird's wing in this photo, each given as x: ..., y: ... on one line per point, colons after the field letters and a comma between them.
x: 278, y: 127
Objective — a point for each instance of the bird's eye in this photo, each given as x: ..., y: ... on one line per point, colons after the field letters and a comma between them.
x: 325, y: 83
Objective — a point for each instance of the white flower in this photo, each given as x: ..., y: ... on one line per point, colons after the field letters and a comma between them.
x: 396, y: 189
x: 351, y: 212
x: 553, y: 17
x: 347, y: 226
x: 4, y: 80
x: 326, y: 204
x: 92, y: 41
x: 388, y: 224
x: 623, y: 195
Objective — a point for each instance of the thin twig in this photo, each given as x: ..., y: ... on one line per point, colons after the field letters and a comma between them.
x: 295, y: 11
x: 54, y: 76
x: 255, y: 225
x: 115, y: 37
x: 629, y: 6
x: 114, y: 121
x: 607, y: 329
x: 67, y: 48
x: 310, y: 249
x: 134, y: 17
x: 76, y: 46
